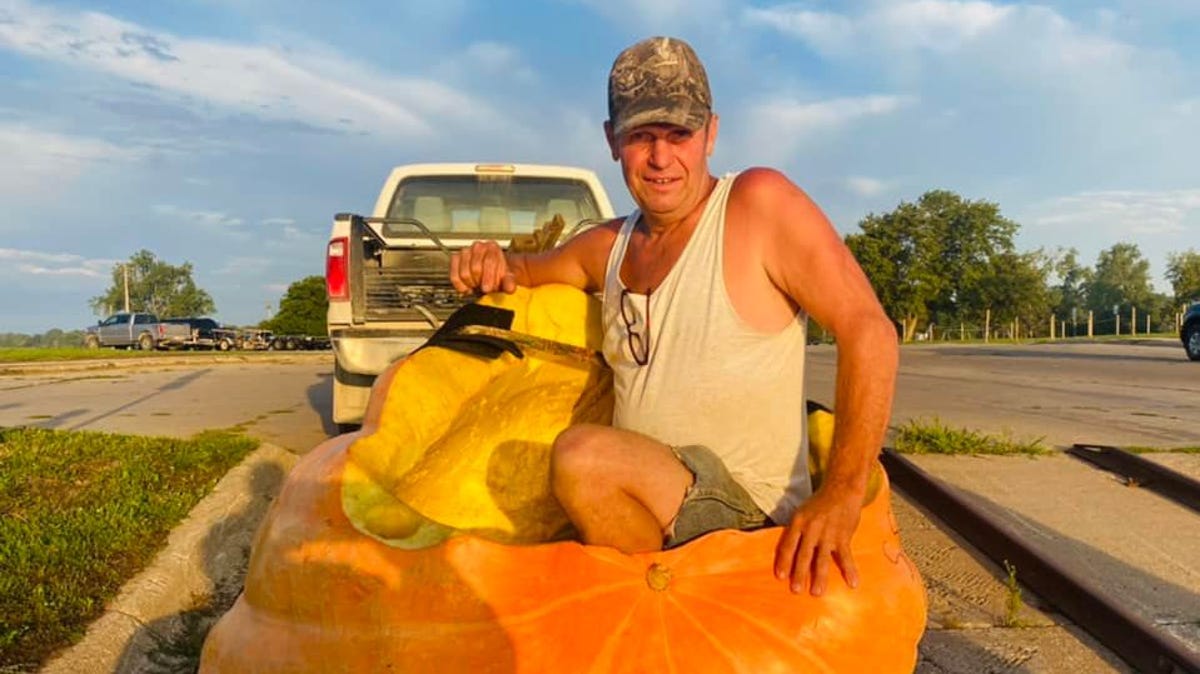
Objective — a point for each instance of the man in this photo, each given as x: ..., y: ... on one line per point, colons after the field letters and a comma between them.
x: 706, y: 293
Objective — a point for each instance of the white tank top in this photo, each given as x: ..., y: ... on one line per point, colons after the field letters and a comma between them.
x: 710, y: 379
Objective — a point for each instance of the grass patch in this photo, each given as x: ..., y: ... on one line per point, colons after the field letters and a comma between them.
x: 1163, y: 450
x: 35, y: 354
x: 934, y: 437
x: 81, y: 513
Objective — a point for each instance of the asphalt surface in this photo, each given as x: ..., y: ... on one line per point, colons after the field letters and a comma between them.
x: 1128, y: 540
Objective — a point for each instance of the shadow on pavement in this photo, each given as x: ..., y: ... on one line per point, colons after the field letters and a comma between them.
x: 176, y: 383
x: 172, y: 644
x: 320, y: 399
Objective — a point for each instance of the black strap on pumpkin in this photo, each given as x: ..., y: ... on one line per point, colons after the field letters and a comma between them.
x: 485, y: 346
x: 811, y: 406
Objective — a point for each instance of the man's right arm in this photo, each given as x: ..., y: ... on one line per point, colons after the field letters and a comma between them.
x: 484, y: 267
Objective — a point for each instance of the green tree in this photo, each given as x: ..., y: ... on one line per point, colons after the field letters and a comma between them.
x: 892, y: 250
x: 974, y: 238
x: 1071, y: 292
x: 937, y: 259
x: 156, y: 287
x: 302, y: 309
x: 1183, y: 271
x: 1121, y: 280
x: 1015, y: 286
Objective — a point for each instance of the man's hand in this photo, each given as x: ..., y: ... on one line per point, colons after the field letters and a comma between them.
x: 481, y: 267
x: 819, y: 535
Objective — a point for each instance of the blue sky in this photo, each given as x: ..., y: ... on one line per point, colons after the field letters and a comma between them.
x: 227, y: 133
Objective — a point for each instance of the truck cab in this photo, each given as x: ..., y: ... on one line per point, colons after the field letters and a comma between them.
x: 387, y: 274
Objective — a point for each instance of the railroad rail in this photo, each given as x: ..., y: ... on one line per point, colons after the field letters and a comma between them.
x: 1131, y: 637
x: 1162, y: 480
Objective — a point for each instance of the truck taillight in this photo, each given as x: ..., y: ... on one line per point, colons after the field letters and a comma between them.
x: 335, y: 270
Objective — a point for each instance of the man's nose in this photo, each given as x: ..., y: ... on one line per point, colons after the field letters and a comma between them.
x: 660, y: 153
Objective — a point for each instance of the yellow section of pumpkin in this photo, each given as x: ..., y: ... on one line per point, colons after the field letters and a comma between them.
x: 473, y: 454
x: 820, y: 445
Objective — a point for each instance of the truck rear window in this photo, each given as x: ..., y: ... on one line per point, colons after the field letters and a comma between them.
x: 491, y: 204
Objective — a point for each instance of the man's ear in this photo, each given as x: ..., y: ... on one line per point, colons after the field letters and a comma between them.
x: 710, y: 140
x: 612, y: 140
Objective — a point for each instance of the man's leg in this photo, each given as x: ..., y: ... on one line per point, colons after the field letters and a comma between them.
x: 620, y: 488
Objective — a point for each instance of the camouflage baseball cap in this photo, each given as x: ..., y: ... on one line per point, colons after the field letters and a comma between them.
x: 658, y: 80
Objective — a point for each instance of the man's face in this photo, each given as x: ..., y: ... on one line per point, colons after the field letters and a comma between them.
x: 665, y: 166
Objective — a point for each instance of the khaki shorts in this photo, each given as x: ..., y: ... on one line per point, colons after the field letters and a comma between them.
x: 714, y: 501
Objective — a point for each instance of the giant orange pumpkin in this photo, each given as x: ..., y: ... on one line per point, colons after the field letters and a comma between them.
x: 420, y: 586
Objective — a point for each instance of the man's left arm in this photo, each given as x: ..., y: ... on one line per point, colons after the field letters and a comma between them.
x: 807, y: 259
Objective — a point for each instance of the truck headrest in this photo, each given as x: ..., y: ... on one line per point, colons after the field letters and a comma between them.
x: 493, y: 219
x: 431, y: 211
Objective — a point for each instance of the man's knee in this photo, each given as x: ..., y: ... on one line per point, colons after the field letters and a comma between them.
x: 576, y: 451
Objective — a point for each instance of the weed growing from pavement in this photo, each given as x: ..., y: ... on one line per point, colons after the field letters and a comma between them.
x: 934, y: 437
x: 81, y: 513
x: 1012, y: 602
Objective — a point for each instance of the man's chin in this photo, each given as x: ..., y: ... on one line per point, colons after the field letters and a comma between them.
x: 658, y: 204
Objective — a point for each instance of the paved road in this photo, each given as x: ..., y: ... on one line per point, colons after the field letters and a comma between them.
x: 1125, y: 394
x: 1122, y: 394
x: 284, y: 400
x: 1117, y: 394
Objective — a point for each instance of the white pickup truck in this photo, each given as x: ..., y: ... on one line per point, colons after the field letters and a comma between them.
x: 387, y: 274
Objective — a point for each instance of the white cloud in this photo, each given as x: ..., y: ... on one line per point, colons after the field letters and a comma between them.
x: 498, y: 59
x: 242, y: 266
x: 54, y: 264
x: 293, y: 233
x: 807, y: 118
x: 866, y: 187
x: 314, y: 86
x: 658, y: 15
x: 216, y: 219
x: 1122, y: 212
x: 825, y: 31
x: 940, y: 25
x: 1022, y: 40
x: 38, y: 160
x: 936, y: 25
x: 274, y: 222
x: 1188, y: 106
x: 776, y: 128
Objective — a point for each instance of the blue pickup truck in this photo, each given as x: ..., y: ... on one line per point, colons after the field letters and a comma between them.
x: 1190, y: 332
x: 136, y: 330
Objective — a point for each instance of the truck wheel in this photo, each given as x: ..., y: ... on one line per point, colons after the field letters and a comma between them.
x: 146, y: 342
x: 224, y: 345
x: 91, y: 342
x: 1191, y: 341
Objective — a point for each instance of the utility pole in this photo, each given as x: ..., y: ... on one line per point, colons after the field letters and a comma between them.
x: 125, y: 273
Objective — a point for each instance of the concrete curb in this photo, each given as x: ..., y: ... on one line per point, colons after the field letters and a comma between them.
x: 206, y: 553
